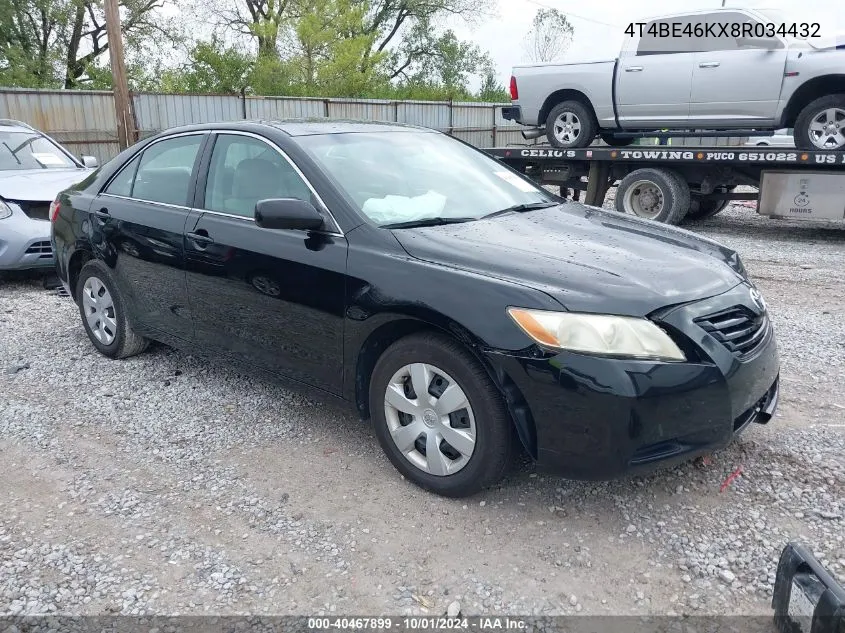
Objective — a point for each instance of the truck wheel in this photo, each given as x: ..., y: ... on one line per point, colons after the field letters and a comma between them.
x: 702, y: 208
x: 571, y: 124
x: 654, y: 194
x: 617, y: 141
x: 821, y: 125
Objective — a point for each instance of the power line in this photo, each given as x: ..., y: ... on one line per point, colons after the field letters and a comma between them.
x: 574, y: 15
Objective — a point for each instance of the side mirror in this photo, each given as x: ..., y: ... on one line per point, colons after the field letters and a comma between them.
x: 90, y: 162
x: 766, y: 43
x: 287, y: 213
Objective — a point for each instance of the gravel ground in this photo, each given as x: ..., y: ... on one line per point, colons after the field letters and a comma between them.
x: 169, y: 484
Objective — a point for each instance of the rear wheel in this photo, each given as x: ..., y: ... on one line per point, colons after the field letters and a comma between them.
x: 571, y: 124
x: 821, y: 125
x: 654, y: 194
x: 702, y: 207
x: 103, y: 313
x: 439, y: 417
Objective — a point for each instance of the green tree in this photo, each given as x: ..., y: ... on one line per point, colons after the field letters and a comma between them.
x: 50, y: 43
x: 491, y: 90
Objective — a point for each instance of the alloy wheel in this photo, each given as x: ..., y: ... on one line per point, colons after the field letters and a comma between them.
x: 99, y: 310
x: 567, y: 128
x: 430, y: 419
x: 827, y: 129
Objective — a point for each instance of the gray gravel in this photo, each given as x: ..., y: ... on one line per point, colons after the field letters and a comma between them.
x: 170, y: 484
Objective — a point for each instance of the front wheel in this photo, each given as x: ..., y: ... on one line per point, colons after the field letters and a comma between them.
x: 654, y: 194
x: 821, y: 125
x: 439, y: 417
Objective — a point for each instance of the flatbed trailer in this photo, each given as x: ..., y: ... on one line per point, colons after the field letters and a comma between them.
x: 673, y: 184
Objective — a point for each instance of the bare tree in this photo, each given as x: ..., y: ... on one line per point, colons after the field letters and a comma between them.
x: 549, y: 37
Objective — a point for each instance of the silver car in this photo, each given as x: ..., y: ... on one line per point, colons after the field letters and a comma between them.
x: 781, y: 138
x: 33, y: 170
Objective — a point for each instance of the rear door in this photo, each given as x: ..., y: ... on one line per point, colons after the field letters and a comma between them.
x: 270, y: 298
x: 733, y: 80
x: 654, y: 77
x: 137, y: 224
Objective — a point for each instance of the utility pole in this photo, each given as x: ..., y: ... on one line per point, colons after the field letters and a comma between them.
x: 125, y: 124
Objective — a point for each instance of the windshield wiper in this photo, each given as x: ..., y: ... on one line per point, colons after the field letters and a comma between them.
x: 520, y: 208
x: 426, y: 222
x: 12, y: 152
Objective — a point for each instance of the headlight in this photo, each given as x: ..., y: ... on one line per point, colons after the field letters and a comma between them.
x: 597, y: 334
x: 5, y: 210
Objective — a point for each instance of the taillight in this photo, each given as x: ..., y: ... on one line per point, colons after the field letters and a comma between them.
x: 54, y: 210
x: 514, y: 89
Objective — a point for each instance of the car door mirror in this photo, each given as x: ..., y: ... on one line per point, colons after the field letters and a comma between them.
x: 767, y: 43
x: 90, y: 162
x: 287, y: 213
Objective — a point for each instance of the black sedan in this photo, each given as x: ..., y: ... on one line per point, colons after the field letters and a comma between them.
x: 465, y: 310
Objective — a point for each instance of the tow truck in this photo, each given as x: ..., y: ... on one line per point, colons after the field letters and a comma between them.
x: 676, y: 184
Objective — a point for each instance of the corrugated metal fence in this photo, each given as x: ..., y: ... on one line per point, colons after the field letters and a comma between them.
x: 85, y: 120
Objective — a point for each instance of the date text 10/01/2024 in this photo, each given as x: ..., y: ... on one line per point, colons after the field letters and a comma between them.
x: 417, y: 623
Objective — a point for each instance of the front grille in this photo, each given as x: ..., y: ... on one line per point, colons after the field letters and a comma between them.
x: 737, y: 328
x: 44, y: 250
x: 35, y: 210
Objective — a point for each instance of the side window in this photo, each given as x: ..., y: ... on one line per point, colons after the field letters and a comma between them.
x: 164, y: 173
x: 244, y: 170
x: 657, y: 37
x: 727, y: 40
x: 121, y: 185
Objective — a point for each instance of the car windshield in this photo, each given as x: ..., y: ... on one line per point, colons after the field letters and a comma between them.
x: 407, y: 177
x: 27, y: 150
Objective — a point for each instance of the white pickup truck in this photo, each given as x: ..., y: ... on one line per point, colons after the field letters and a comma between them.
x: 764, y: 79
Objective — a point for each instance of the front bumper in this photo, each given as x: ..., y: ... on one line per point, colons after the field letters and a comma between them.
x: 24, y: 242
x: 587, y: 417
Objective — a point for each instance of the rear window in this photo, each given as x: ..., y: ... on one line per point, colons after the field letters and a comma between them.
x: 27, y: 150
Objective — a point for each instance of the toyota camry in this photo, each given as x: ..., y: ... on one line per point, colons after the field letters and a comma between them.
x: 465, y: 310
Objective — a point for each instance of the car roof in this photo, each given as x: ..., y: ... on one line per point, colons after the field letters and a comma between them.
x: 17, y: 125
x: 303, y: 127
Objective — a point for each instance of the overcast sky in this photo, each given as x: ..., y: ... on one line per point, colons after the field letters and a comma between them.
x: 599, y: 24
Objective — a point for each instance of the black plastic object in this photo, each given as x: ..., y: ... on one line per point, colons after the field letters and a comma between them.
x: 807, y: 598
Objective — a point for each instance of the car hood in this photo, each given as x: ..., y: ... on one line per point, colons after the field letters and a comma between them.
x: 588, y: 259
x: 38, y: 185
x: 833, y: 40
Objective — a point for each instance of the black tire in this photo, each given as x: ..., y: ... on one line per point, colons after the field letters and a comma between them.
x: 801, y: 132
x: 126, y: 342
x: 494, y: 441
x: 702, y: 207
x: 673, y: 189
x: 617, y: 141
x: 589, y: 125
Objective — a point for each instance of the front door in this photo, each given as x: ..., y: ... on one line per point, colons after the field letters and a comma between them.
x: 273, y: 298
x: 654, y: 79
x: 137, y: 224
x: 734, y: 80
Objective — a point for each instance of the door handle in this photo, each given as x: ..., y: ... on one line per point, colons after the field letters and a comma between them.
x: 709, y: 64
x: 201, y: 238
x: 634, y: 69
x: 102, y: 213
